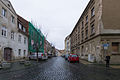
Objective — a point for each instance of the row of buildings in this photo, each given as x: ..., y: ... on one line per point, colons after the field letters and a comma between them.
x: 18, y: 37
x: 97, y: 32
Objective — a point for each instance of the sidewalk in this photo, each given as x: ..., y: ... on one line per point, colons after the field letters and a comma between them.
x: 85, y: 62
x: 16, y: 66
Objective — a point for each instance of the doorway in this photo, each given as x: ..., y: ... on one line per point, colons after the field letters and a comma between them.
x: 7, y: 54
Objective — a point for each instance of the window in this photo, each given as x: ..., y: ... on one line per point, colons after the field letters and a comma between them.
x: 115, y: 47
x: 4, y: 31
x: 19, y: 38
x: 19, y: 51
x: 86, y: 33
x: 24, y: 29
x: 24, y: 40
x: 82, y: 35
x: 3, y: 12
x: 12, y: 35
x: 87, y: 19
x: 82, y: 24
x: 24, y: 52
x: 92, y: 29
x: 12, y: 19
x: 20, y: 26
x: 92, y: 12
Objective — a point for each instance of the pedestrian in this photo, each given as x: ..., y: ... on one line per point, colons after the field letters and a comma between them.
x: 107, y: 60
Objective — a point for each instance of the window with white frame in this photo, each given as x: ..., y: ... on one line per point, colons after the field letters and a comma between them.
x: 4, y: 12
x: 12, y: 35
x: 12, y: 19
x: 4, y: 31
x: 19, y: 38
x: 24, y: 40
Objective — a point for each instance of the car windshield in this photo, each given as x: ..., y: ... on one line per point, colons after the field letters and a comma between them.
x: 74, y: 55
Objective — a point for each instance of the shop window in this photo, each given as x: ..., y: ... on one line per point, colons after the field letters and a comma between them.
x: 115, y: 47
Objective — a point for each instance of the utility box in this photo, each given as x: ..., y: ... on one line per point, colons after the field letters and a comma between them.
x: 91, y: 58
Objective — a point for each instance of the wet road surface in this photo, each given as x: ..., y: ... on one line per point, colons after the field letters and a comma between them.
x: 57, y: 68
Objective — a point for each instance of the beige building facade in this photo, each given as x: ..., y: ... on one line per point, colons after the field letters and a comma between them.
x: 97, y: 32
x: 67, y: 45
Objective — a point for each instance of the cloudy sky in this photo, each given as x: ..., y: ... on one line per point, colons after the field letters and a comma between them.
x: 56, y: 18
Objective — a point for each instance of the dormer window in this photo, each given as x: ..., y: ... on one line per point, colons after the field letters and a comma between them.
x: 8, y: 5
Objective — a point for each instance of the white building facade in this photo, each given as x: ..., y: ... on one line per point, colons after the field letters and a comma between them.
x: 9, y: 46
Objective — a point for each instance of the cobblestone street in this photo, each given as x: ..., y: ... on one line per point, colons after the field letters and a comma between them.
x: 57, y: 68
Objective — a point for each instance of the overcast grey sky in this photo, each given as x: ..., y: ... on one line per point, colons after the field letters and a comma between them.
x: 55, y: 17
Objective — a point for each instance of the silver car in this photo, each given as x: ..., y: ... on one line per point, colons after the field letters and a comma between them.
x: 44, y: 56
x: 40, y: 56
x: 34, y: 56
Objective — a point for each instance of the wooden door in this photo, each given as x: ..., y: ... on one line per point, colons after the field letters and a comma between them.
x: 7, y: 54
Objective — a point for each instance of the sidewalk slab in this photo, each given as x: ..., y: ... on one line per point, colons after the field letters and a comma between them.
x: 85, y: 62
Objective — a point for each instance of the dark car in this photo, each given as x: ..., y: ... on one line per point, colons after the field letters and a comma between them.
x: 63, y: 55
x: 49, y: 55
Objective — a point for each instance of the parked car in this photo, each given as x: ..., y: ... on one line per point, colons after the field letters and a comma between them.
x: 44, y: 56
x: 73, y: 58
x: 40, y: 56
x: 63, y: 55
x: 66, y: 56
x: 33, y: 56
x: 49, y: 55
